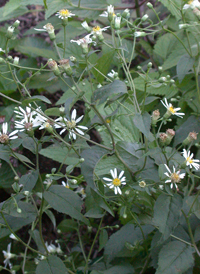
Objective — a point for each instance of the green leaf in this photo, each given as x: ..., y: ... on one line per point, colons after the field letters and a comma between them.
x: 167, y: 213
x: 101, y: 202
x: 52, y: 112
x: 68, y: 225
x: 11, y: 15
x: 175, y: 257
x: 11, y: 6
x: 4, y: 153
x: 164, y: 45
x: 184, y: 66
x: 143, y: 123
x: 6, y: 175
x: 103, y: 238
x: 195, y: 205
x: 65, y: 201
x: 29, y: 144
x: 190, y: 125
x: 35, y: 47
x: 35, y: 99
x: 22, y: 158
x: 119, y: 269
x: 36, y: 237
x: 92, y: 157
x: 106, y: 92
x: 29, y: 180
x: 103, y: 65
x: 174, y: 6
x: 59, y: 154
x: 51, y: 217
x: 52, y: 265
x: 128, y: 233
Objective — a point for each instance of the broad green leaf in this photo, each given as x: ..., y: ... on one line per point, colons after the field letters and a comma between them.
x: 92, y: 157
x: 174, y: 6
x: 59, y: 154
x: 65, y: 201
x: 35, y: 47
x: 167, y: 213
x: 103, y: 65
x: 68, y: 225
x: 190, y: 125
x: 184, y: 66
x: 4, y: 153
x: 143, y: 123
x: 51, y: 265
x: 52, y: 112
x: 103, y: 238
x: 195, y: 204
x: 11, y: 6
x: 29, y: 180
x: 128, y: 233
x: 35, y: 99
x: 36, y: 237
x: 119, y: 269
x: 51, y: 217
x: 106, y: 164
x: 29, y: 144
x: 175, y: 257
x: 101, y: 202
x: 22, y: 158
x: 164, y: 45
x: 6, y: 176
x: 18, y: 222
x: 11, y: 15
x: 102, y: 94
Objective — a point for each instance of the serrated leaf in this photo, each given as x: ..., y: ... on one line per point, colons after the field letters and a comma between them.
x: 65, y: 201
x: 185, y: 64
x: 174, y: 6
x: 92, y: 157
x: 58, y: 153
x: 51, y: 265
x: 143, y: 123
x: 36, y: 98
x: 117, y: 87
x: 167, y: 213
x: 175, y: 257
x: 29, y: 180
x: 128, y: 233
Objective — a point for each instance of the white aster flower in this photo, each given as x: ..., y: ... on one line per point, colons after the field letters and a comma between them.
x: 27, y: 123
x: 116, y: 182
x: 65, y: 184
x: 8, y: 256
x: 71, y: 125
x: 53, y: 249
x: 113, y: 74
x: 189, y: 161
x: 171, y: 110
x: 48, y: 27
x: 109, y: 13
x: 21, y: 113
x: 85, y: 40
x: 98, y: 31
x: 64, y: 14
x: 174, y: 177
x: 4, y: 136
x: 192, y: 4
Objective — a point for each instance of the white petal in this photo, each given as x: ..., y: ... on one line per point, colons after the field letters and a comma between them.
x: 119, y: 190
x: 79, y: 119
x: 121, y: 174
x: 168, y: 168
x: 79, y: 131
x: 115, y: 173
x: 112, y: 173
x: 83, y: 127
x: 73, y: 116
x: 115, y: 190
x: 107, y: 179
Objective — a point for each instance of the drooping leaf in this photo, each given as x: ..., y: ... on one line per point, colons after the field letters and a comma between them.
x: 36, y: 98
x: 167, y: 212
x: 51, y: 265
x: 65, y: 201
x: 175, y: 257
x: 29, y: 180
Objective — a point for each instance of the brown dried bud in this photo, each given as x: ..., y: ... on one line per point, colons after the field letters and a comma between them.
x: 54, y: 67
x: 170, y: 134
x: 163, y: 139
x: 65, y: 65
x: 155, y: 117
x: 191, y: 137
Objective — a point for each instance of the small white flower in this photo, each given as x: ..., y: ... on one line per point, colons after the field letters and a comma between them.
x: 189, y: 161
x: 85, y: 26
x: 171, y: 109
x: 65, y: 184
x: 8, y: 256
x: 139, y: 34
x: 48, y: 182
x: 71, y: 125
x: 117, y: 22
x: 21, y: 113
x: 85, y: 40
x: 53, y: 249
x: 1, y: 50
x: 98, y: 31
x: 48, y: 27
x: 4, y: 136
x: 112, y: 74
x: 116, y: 182
x: 64, y: 14
x: 174, y: 177
x: 27, y: 123
x: 12, y: 236
x: 80, y: 190
x: 110, y: 11
x: 192, y: 4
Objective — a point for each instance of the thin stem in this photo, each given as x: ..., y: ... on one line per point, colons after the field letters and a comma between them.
x: 81, y: 244
x: 40, y: 225
x: 64, y: 40
x: 57, y: 50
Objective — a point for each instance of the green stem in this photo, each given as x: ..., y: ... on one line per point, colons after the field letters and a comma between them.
x: 81, y: 244
x: 40, y: 225
x: 64, y: 41
x: 57, y: 50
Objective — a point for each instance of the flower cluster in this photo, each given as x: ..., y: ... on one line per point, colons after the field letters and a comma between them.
x: 116, y: 181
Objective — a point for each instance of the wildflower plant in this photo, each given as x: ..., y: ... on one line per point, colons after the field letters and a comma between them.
x: 99, y: 138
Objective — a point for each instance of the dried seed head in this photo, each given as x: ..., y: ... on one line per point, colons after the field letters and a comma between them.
x: 170, y: 132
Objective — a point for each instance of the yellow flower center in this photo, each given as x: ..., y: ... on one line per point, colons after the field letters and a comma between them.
x: 108, y: 121
x: 116, y: 182
x: 47, y: 125
x: 175, y: 177
x: 67, y: 186
x: 190, y: 2
x: 189, y: 160
x: 171, y: 109
x: 97, y: 28
x: 71, y: 124
x: 64, y: 13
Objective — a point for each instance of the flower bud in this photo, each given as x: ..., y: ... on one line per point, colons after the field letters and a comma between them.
x: 149, y: 5
x: 85, y: 26
x: 191, y: 137
x: 16, y: 187
x: 162, y: 79
x: 142, y: 184
x: 168, y: 77
x: 117, y: 23
x: 50, y: 29
x: 16, y: 61
x: 149, y: 66
x: 144, y: 17
x: 160, y: 69
x: 26, y: 193
x: 65, y: 65
x: 81, y: 160
x: 139, y: 34
x: 72, y: 59
x: 19, y: 210
x: 54, y: 67
x: 155, y: 116
x: 10, y: 59
x: 110, y: 10
x: 170, y: 134
x: 183, y: 26
x: 62, y: 111
x: 126, y: 13
x: 16, y: 24
x: 74, y: 182
x: 1, y: 60
x: 89, y: 228
x: 163, y: 139
x: 10, y: 32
